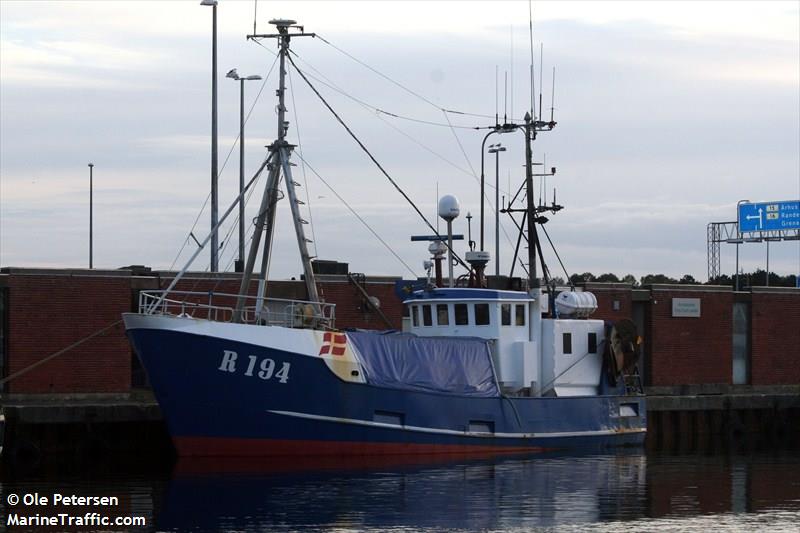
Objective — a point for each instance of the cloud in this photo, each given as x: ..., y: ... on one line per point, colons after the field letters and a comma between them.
x: 665, y: 121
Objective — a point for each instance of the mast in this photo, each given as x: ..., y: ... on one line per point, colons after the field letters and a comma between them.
x: 280, y: 152
x: 533, y: 280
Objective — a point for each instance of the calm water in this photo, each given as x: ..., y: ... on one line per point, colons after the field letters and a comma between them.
x: 630, y: 492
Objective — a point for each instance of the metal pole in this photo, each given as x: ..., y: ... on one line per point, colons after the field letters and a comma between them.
x: 535, y: 313
x: 531, y: 210
x: 737, y: 266
x: 266, y: 202
x: 272, y: 185
x: 497, y: 212
x: 483, y: 179
x: 91, y: 209
x: 767, y: 263
x: 496, y: 149
x: 240, y: 262
x: 450, y: 250
x: 214, y: 191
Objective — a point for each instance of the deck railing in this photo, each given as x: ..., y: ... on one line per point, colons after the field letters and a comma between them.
x: 221, y: 307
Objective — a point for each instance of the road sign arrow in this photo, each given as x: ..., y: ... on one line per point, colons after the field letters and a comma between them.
x: 753, y: 217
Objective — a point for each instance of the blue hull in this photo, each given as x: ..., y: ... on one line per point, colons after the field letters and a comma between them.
x: 298, y: 406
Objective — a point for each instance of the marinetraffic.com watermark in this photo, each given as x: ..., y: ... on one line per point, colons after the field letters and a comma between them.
x: 66, y: 510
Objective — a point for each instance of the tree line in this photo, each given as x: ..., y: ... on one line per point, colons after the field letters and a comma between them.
x: 758, y: 278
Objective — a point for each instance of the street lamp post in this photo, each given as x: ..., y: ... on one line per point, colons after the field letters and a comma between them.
x: 504, y: 128
x: 91, y: 209
x: 496, y: 149
x: 235, y: 76
x: 483, y: 180
x: 214, y: 192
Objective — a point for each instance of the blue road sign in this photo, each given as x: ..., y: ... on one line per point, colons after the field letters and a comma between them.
x: 769, y: 216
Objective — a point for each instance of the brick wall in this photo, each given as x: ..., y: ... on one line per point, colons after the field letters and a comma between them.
x: 607, y: 295
x: 352, y: 312
x: 775, y: 338
x: 686, y: 350
x: 47, y: 313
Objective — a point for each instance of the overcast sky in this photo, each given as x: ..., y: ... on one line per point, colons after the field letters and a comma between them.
x: 668, y: 114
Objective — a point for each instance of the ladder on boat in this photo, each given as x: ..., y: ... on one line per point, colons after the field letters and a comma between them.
x: 633, y: 381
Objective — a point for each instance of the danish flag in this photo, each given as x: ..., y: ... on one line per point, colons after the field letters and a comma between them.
x: 333, y: 343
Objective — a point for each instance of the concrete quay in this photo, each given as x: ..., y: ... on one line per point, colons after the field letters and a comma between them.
x: 693, y: 417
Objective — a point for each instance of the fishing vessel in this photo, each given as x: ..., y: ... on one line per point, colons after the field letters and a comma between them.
x: 480, y: 370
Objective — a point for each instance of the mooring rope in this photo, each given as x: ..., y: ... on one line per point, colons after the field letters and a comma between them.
x: 56, y: 354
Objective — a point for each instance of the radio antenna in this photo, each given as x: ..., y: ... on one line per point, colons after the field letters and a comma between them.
x: 505, y: 97
x: 530, y: 34
x: 255, y: 11
x: 544, y: 161
x: 541, y: 184
x: 553, y: 95
x: 496, y: 104
x: 512, y: 71
x: 436, y: 204
x: 541, y: 63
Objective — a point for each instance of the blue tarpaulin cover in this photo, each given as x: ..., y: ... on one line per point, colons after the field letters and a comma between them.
x: 434, y: 364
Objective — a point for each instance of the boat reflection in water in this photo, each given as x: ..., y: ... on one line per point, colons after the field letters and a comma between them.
x: 416, y: 492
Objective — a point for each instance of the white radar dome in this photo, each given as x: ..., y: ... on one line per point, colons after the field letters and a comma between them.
x: 449, y: 208
x: 437, y: 248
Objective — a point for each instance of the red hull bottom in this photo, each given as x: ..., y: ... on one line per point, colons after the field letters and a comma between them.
x: 210, y: 446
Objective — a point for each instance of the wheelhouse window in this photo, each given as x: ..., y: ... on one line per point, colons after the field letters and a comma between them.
x: 592, y: 342
x: 427, y: 319
x: 481, y: 314
x: 442, y: 315
x: 567, y: 343
x: 520, y: 315
x: 505, y: 314
x: 461, y: 314
x: 415, y: 315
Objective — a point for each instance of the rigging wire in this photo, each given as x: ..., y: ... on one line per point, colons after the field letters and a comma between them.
x: 224, y: 163
x: 403, y: 87
x: 258, y: 42
x: 375, y: 161
x: 226, y: 240
x: 425, y: 147
x: 234, y: 225
x: 378, y: 114
x: 475, y: 175
x: 461, y: 146
x: 470, y: 172
x: 379, y: 73
x: 328, y: 83
x: 303, y: 165
x: 569, y: 280
x: 355, y: 213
